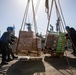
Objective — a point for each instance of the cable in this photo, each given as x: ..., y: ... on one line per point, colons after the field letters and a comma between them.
x: 36, y: 9
x: 37, y: 6
x: 24, y: 14
x: 21, y: 26
x: 49, y: 20
x: 59, y: 16
x: 35, y: 24
x: 61, y: 12
x: 69, y: 35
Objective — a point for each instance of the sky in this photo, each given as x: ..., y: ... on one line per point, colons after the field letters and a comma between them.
x: 12, y: 11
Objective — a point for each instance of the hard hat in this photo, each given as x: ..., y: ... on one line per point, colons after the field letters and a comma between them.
x: 67, y: 27
x: 10, y: 28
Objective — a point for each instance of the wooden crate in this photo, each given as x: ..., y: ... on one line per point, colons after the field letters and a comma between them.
x: 51, y: 41
x: 29, y: 45
x: 26, y: 34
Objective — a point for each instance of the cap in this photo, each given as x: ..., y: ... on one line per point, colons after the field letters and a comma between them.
x: 10, y: 28
x: 67, y: 27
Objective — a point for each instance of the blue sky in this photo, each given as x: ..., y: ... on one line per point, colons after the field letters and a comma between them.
x: 12, y: 11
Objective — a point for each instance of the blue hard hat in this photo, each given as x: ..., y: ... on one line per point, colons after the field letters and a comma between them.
x: 10, y: 28
x: 67, y: 27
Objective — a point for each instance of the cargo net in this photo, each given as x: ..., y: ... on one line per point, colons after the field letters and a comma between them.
x: 28, y: 44
x: 55, y: 44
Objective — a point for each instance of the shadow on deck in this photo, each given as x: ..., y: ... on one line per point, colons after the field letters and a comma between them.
x: 62, y: 64
x: 26, y: 67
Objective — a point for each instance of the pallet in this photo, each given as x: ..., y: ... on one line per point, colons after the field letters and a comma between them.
x: 29, y: 53
x: 53, y: 53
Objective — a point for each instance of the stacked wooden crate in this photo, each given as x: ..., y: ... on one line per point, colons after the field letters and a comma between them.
x: 51, y: 41
x: 25, y: 40
x: 61, y: 43
x: 28, y: 43
x: 26, y: 34
x: 55, y: 44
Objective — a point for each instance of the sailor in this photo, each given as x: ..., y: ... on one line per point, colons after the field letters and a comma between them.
x: 71, y: 34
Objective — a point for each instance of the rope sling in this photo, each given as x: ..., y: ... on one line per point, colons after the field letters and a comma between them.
x: 24, y: 21
x: 63, y: 23
x: 49, y: 17
x: 22, y: 25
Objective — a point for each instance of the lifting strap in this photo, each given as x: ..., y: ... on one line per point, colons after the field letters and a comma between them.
x: 58, y: 15
x: 37, y: 6
x: 22, y: 25
x: 35, y: 24
x: 47, y: 8
x: 25, y: 15
x: 24, y: 21
x: 34, y: 18
x: 48, y: 21
x: 69, y: 36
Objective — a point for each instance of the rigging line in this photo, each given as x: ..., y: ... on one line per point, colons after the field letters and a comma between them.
x: 35, y: 24
x: 24, y: 14
x: 61, y: 23
x: 70, y: 38
x: 41, y: 29
x: 36, y: 9
x: 61, y: 19
x: 28, y: 19
x: 65, y: 23
x: 21, y: 27
x: 68, y: 63
x: 47, y: 7
x: 37, y: 6
x: 59, y: 15
x: 49, y: 21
